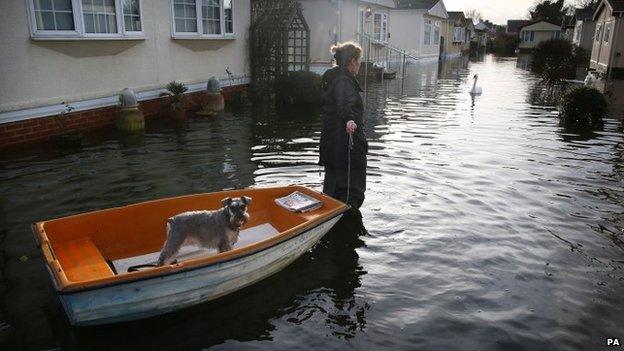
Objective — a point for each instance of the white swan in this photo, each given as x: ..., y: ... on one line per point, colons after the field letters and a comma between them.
x: 475, y: 89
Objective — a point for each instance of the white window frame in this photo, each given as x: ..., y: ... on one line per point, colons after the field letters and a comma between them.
x: 200, y: 27
x: 427, y: 23
x: 436, y: 29
x: 79, y: 32
x: 382, y: 36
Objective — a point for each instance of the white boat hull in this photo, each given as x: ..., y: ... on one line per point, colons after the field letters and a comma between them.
x: 158, y: 295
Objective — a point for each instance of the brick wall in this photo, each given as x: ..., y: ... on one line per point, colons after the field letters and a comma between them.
x: 41, y: 129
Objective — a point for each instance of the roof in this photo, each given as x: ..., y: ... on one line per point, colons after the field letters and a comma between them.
x: 538, y: 21
x: 456, y: 15
x: 586, y: 14
x: 416, y: 4
x: 616, y: 5
x: 513, y: 26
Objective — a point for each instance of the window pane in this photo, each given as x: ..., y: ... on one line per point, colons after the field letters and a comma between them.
x: 191, y: 26
x: 45, y: 21
x: 54, y: 15
x: 179, y: 25
x: 99, y: 16
x: 62, y: 5
x: 185, y: 15
x: 211, y: 16
x: 89, y: 23
x: 43, y: 5
x: 228, y: 14
x: 132, y: 15
x: 64, y: 21
x: 131, y: 7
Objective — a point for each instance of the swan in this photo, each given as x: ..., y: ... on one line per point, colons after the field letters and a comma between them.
x: 475, y: 89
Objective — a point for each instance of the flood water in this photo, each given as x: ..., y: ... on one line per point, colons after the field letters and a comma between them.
x: 490, y: 226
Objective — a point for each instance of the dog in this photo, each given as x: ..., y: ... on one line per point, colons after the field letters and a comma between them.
x: 218, y: 229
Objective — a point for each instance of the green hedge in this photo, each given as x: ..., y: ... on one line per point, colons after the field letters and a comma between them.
x: 298, y: 88
x: 583, y: 107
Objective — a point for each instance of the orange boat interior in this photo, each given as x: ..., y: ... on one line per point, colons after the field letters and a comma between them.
x: 78, y: 248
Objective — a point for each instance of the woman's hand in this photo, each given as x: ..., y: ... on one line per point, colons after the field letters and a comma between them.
x: 351, y: 127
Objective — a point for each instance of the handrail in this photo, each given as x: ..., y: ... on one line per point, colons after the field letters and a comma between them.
x: 386, y: 45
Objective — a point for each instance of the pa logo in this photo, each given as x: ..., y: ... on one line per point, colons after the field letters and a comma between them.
x: 613, y: 342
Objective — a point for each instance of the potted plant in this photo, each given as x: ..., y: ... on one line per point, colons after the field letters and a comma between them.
x: 177, y: 103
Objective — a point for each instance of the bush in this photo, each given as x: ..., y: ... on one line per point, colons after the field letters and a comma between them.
x: 583, y: 107
x: 557, y: 59
x: 176, y: 90
x: 298, y: 88
x: 505, y: 44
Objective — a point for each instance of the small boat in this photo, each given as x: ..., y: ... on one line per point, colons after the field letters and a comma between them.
x: 389, y: 74
x: 87, y: 255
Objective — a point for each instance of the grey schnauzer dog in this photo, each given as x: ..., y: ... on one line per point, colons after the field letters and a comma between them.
x: 216, y: 229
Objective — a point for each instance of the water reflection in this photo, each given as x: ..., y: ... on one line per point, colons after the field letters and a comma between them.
x: 490, y: 225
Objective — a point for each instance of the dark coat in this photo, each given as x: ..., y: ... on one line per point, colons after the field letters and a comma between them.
x: 342, y: 102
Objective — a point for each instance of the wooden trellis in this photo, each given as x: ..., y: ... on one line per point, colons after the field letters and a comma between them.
x: 280, y: 43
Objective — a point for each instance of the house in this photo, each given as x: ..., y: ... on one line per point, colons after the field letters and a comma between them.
x: 418, y: 26
x: 533, y: 33
x: 584, y: 28
x: 413, y: 26
x: 452, y: 33
x: 513, y: 26
x: 65, y: 50
x: 462, y: 31
x: 608, y: 47
x: 567, y: 27
x: 470, y: 33
x: 482, y: 35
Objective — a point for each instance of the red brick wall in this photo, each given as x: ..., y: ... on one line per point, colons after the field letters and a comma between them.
x: 41, y: 129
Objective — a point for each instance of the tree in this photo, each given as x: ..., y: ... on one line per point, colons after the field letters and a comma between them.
x: 549, y: 10
x: 474, y: 14
x: 585, y: 4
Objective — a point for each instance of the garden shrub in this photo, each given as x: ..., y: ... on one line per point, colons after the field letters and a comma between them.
x: 583, y: 107
x: 298, y: 88
x: 557, y: 59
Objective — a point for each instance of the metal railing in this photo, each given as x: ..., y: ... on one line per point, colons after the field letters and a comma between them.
x: 381, y: 53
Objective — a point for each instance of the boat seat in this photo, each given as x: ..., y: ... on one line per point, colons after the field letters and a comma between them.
x: 81, y: 260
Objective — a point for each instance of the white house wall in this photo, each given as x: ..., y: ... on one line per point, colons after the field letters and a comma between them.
x: 37, y: 73
x: 323, y: 20
x: 406, y: 29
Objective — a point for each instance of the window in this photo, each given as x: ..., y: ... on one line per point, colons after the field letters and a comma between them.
x: 598, y: 32
x: 99, y: 16
x: 380, y: 27
x: 555, y: 35
x: 203, y: 18
x: 458, y: 35
x: 85, y: 18
x: 229, y: 16
x: 607, y: 33
x: 436, y: 34
x: 427, y: 32
x: 54, y: 15
x: 528, y: 36
x: 132, y: 15
x: 577, y: 32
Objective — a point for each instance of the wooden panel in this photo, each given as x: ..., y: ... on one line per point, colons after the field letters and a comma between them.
x: 81, y: 260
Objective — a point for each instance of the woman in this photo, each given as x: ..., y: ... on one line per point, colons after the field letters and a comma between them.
x: 345, y: 163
